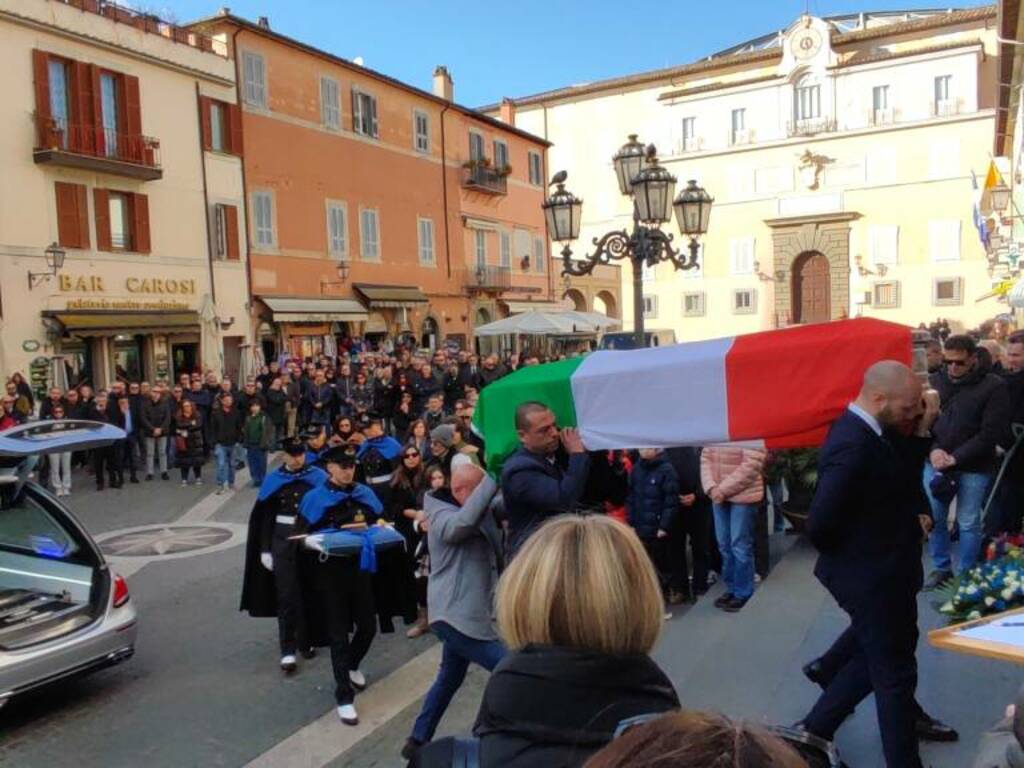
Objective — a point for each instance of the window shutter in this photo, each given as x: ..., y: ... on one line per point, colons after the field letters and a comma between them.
x: 140, y: 223
x: 96, y: 125
x: 231, y: 232
x: 41, y: 80
x: 80, y: 136
x: 133, y: 106
x: 373, y: 116
x: 357, y: 112
x: 101, y: 202
x: 206, y: 129
x: 234, y: 118
x: 82, y: 206
x: 68, y: 230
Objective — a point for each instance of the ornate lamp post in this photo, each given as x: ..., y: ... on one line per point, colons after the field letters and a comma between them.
x: 651, y: 188
x: 54, y: 256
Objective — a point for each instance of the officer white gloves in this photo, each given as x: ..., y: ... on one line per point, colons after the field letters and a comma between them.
x: 268, y: 560
x: 314, y: 542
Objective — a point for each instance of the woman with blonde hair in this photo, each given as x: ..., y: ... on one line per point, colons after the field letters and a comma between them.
x: 580, y: 610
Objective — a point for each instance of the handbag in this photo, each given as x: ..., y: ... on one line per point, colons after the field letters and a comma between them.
x: 180, y: 444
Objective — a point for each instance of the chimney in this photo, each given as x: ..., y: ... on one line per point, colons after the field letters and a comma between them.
x: 443, y: 86
x: 508, y: 111
x: 263, y: 21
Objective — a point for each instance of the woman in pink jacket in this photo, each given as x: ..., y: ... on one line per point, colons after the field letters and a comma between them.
x: 732, y: 477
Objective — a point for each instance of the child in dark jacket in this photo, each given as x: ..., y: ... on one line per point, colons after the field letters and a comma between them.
x: 652, y: 504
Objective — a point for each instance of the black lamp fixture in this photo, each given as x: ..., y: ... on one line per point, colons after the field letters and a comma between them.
x: 342, y: 269
x: 54, y: 256
x: 651, y: 188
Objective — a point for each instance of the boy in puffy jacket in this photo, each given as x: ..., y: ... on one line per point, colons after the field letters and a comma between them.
x: 651, y: 505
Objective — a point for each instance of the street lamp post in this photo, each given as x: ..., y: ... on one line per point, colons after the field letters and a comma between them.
x: 54, y: 256
x: 651, y: 188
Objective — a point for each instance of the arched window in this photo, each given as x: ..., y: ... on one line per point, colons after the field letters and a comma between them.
x: 807, y: 99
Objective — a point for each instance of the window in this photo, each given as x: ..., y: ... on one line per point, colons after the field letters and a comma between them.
x: 741, y: 256
x: 254, y: 78
x: 122, y: 221
x: 536, y: 169
x: 650, y: 307
x: 648, y: 272
x: 225, y: 232
x: 885, y: 295
x: 500, y: 155
x: 689, y: 140
x: 476, y: 146
x: 738, y: 134
x: 943, y: 104
x: 480, y: 247
x: 72, y: 215
x: 744, y: 302
x: 221, y: 126
x: 538, y: 254
x: 946, y: 291
x: 807, y: 99
x: 883, y: 243
x: 263, y: 219
x: 426, y: 241
x: 505, y: 251
x: 330, y: 103
x: 337, y: 229
x: 217, y: 126
x: 60, y: 97
x: 364, y: 113
x: 693, y: 304
x: 369, y: 234
x: 944, y: 240
x: 109, y: 112
x: 421, y: 131
x: 880, y: 111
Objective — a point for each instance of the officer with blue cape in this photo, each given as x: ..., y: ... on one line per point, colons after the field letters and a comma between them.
x: 273, y: 583
x: 315, y: 436
x: 344, y: 591
x: 378, y: 456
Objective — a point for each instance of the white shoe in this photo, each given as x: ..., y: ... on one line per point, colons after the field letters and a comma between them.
x: 357, y: 678
x: 220, y: 490
x: 348, y: 714
x: 288, y: 662
x: 184, y: 482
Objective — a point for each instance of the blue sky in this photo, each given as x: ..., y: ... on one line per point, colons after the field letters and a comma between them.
x: 496, y: 49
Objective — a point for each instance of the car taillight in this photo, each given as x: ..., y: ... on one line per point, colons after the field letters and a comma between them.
x: 120, y: 591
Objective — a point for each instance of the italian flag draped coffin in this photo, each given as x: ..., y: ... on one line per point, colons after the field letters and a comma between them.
x: 777, y: 389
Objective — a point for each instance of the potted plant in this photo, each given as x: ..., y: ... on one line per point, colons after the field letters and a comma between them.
x: 505, y: 170
x: 798, y: 468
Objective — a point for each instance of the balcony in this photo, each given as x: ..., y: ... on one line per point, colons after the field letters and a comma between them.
x: 810, y: 127
x: 489, y: 279
x: 947, y: 107
x: 483, y: 178
x: 103, y: 150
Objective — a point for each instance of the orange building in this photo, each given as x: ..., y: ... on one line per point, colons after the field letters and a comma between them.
x: 376, y: 208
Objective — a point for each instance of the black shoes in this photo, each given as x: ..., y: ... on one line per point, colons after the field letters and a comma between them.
x: 308, y: 653
x: 133, y: 479
x: 930, y: 729
x: 412, y: 746
x: 735, y: 605
x: 164, y: 476
x: 814, y: 672
x: 677, y: 597
x: 936, y: 579
x: 720, y: 602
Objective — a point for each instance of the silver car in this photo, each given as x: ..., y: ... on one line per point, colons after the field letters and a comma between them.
x: 62, y: 610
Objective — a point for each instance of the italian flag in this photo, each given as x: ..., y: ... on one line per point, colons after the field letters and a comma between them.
x: 775, y: 389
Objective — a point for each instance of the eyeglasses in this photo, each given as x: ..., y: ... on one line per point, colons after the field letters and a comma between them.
x: 957, y: 363
x: 412, y: 455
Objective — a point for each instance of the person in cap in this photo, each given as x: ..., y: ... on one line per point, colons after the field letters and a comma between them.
x: 272, y: 585
x: 378, y: 455
x: 442, y: 450
x: 343, y: 590
x: 315, y: 436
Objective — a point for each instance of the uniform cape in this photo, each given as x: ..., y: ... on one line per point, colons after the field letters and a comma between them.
x: 386, y: 446
x: 316, y: 503
x: 280, y: 477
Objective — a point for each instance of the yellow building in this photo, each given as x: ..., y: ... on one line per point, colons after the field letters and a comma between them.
x: 121, y: 147
x: 840, y: 153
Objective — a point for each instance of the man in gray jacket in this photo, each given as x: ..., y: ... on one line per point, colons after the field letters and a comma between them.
x: 465, y: 550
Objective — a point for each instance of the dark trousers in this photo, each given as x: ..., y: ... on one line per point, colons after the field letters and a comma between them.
x: 876, y: 653
x: 108, y: 458
x: 1007, y: 506
x: 291, y: 617
x: 346, y: 599
x: 128, y: 451
x: 657, y: 551
x: 762, y: 553
x: 692, y: 528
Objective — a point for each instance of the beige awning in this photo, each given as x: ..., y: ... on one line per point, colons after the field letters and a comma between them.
x: 515, y: 307
x: 108, y: 323
x: 391, y: 296
x: 293, y: 310
x: 376, y: 324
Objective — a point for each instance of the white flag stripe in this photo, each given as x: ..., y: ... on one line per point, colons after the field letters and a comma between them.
x: 648, y: 397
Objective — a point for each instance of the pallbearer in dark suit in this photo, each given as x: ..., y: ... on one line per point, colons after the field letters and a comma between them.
x: 866, y: 521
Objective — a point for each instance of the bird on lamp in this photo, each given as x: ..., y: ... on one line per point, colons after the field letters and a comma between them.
x: 559, y: 178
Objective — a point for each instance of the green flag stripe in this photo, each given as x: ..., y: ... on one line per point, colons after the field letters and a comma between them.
x: 495, y: 414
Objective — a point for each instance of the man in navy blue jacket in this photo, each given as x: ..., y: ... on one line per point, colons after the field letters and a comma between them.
x: 536, y: 483
x: 866, y: 520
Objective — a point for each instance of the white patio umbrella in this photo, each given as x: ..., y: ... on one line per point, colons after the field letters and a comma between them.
x: 595, y: 319
x: 530, y: 323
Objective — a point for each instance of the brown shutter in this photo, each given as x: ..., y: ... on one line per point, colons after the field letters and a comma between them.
x: 97, y: 112
x: 101, y: 202
x: 131, y: 144
x: 82, y: 204
x: 81, y: 134
x: 231, y: 232
x: 140, y: 223
x: 234, y: 116
x: 41, y: 81
x: 68, y: 229
x: 204, y: 122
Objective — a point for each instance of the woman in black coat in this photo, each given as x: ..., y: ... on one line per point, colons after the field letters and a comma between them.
x: 188, y: 442
x: 571, y: 677
x: 408, y: 485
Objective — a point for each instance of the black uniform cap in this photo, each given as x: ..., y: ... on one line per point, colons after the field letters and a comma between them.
x: 293, y: 446
x: 344, y: 455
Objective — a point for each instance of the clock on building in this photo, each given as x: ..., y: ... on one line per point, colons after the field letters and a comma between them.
x: 806, y: 43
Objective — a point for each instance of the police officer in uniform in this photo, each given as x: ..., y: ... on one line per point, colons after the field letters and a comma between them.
x: 315, y: 436
x: 378, y: 456
x: 343, y: 590
x: 272, y: 584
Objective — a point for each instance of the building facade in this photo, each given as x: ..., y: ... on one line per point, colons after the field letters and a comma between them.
x: 102, y: 141
x: 840, y: 152
x: 394, y: 212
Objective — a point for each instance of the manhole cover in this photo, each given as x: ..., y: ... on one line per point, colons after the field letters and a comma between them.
x: 164, y: 540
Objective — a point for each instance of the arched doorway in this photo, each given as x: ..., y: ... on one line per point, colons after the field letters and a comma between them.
x: 604, y: 302
x: 812, y: 289
x: 578, y: 299
x: 430, y: 335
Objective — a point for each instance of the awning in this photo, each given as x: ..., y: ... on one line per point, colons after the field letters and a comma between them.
x: 473, y: 223
x: 391, y: 296
x: 292, y: 310
x: 107, y: 323
x: 515, y: 307
x: 376, y: 324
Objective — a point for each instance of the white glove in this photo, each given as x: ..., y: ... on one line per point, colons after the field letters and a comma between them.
x: 314, y: 542
x: 268, y: 560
